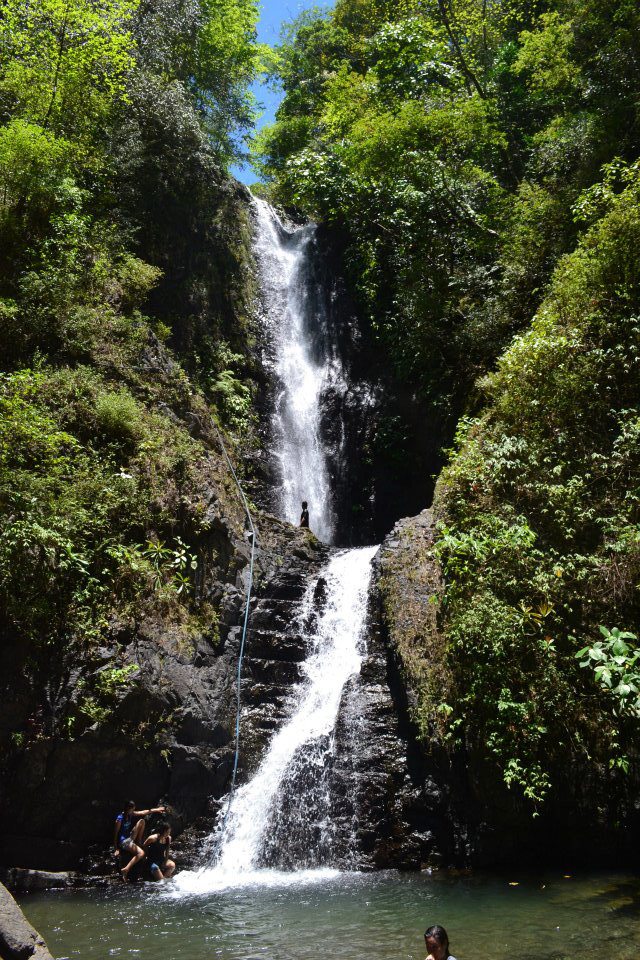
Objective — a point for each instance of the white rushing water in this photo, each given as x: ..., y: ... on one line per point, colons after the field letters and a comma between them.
x: 256, y: 805
x: 303, y: 363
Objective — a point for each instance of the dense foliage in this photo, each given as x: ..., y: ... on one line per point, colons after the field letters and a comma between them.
x: 119, y: 229
x: 481, y: 161
x: 541, y: 535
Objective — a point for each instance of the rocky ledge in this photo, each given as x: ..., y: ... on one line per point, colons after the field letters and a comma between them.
x: 455, y: 779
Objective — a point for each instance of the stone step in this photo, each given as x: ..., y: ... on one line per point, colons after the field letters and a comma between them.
x: 259, y: 694
x: 274, y: 615
x: 263, y: 719
x: 276, y: 672
x: 290, y: 586
x: 275, y: 645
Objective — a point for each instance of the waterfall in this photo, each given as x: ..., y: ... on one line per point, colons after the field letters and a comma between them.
x: 299, y: 750
x: 282, y: 816
x: 303, y: 363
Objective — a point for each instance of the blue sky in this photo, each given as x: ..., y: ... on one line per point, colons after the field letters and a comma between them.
x: 273, y: 13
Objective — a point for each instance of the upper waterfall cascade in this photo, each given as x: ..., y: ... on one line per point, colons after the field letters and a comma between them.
x: 304, y: 364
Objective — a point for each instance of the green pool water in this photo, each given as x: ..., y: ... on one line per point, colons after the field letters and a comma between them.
x: 373, y: 916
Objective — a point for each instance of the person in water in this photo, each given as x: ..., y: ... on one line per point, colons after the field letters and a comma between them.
x: 128, y: 833
x: 156, y: 848
x: 437, y: 943
x: 304, y: 517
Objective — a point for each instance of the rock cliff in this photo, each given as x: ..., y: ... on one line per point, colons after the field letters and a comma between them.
x: 587, y: 819
x: 170, y: 734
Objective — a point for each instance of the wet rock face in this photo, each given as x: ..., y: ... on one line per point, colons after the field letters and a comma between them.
x: 390, y: 812
x: 433, y: 808
x: 60, y: 796
x: 383, y: 444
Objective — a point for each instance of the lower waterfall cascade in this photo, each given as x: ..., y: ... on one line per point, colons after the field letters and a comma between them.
x: 300, y: 753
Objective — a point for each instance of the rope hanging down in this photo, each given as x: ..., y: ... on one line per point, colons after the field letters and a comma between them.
x: 245, y: 621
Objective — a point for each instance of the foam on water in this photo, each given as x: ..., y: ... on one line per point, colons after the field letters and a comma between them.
x: 216, y: 880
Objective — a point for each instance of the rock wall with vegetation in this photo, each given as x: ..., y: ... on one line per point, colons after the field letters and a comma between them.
x: 480, y: 164
x: 126, y: 351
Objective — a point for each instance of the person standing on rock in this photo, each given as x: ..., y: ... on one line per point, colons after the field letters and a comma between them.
x: 156, y: 848
x: 128, y: 834
x: 304, y: 518
x: 437, y: 943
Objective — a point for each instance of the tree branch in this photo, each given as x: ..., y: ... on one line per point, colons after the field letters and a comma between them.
x: 56, y: 77
x: 469, y: 74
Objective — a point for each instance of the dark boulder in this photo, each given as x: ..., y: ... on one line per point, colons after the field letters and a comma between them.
x: 21, y: 880
x: 18, y: 939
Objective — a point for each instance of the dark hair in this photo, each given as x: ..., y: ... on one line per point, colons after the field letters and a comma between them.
x: 130, y: 805
x: 439, y: 934
x: 304, y: 504
x: 163, y: 826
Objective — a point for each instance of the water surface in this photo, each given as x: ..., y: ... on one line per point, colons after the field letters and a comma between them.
x: 348, y: 916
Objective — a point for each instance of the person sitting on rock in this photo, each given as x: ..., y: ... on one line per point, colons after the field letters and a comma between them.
x: 128, y: 833
x: 156, y: 848
x: 304, y: 518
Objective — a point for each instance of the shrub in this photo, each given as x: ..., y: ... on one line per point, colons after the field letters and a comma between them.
x: 118, y: 416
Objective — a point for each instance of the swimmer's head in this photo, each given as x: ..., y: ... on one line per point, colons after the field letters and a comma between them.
x: 437, y: 942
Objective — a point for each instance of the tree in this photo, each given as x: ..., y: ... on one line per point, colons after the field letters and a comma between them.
x: 64, y: 62
x: 209, y: 47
